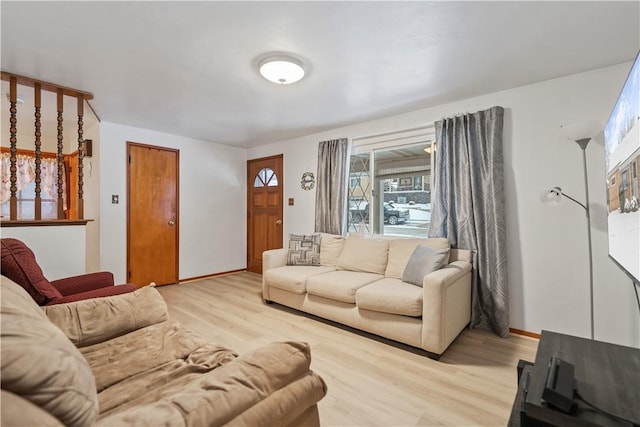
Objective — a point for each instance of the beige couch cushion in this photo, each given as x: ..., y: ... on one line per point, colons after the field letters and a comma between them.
x: 368, y: 255
x: 99, y: 319
x: 340, y: 285
x: 293, y: 278
x: 40, y: 364
x: 391, y: 296
x: 330, y: 249
x: 171, y: 352
x: 400, y: 250
x: 199, y: 390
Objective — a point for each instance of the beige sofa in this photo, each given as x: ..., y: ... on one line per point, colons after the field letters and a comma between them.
x: 118, y: 361
x: 359, y: 283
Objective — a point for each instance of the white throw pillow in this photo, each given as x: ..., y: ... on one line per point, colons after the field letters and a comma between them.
x: 330, y: 249
x: 364, y: 254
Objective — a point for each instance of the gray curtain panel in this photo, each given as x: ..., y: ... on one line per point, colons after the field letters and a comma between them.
x: 331, y: 186
x: 468, y: 208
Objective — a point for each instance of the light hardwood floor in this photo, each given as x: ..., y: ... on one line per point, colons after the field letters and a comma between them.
x: 370, y: 383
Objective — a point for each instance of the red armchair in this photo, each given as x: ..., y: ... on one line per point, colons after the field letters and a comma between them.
x: 19, y: 264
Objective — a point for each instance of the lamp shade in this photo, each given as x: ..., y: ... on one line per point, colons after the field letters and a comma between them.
x: 282, y: 70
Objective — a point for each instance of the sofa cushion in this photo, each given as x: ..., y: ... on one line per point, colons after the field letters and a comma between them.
x: 19, y: 264
x: 95, y: 320
x: 200, y: 393
x: 340, y: 285
x: 364, y: 254
x: 391, y: 296
x: 169, y: 350
x: 330, y: 249
x: 400, y: 250
x: 304, y: 249
x: 40, y: 364
x: 424, y: 261
x: 293, y: 278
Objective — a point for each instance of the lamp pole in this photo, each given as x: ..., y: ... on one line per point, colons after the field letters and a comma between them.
x: 583, y: 145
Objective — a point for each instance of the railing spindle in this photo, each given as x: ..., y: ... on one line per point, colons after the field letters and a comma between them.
x: 38, y: 152
x: 80, y: 158
x: 63, y: 191
x: 13, y: 99
x: 60, y: 157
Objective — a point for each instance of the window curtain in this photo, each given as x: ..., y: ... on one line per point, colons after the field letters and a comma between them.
x: 468, y: 208
x: 331, y: 189
x: 26, y: 174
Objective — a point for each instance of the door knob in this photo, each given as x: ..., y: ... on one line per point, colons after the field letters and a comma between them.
x: 279, y: 221
x: 172, y: 222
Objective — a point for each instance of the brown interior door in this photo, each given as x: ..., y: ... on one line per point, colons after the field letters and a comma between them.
x: 264, y: 205
x: 152, y: 226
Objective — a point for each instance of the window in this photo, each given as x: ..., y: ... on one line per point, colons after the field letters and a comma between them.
x: 26, y: 185
x: 266, y: 177
x: 27, y: 202
x: 390, y: 187
x: 359, y: 192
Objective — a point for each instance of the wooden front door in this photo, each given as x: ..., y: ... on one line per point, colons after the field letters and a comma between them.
x: 264, y: 204
x: 152, y: 226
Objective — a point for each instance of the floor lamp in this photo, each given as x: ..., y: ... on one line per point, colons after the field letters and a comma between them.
x: 556, y: 193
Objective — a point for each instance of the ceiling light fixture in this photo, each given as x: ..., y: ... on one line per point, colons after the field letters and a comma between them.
x: 282, y: 69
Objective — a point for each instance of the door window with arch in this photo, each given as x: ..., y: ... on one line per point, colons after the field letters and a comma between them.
x: 266, y: 177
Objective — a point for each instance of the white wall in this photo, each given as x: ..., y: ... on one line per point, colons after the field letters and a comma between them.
x: 59, y: 250
x: 212, y: 201
x: 547, y: 246
x: 91, y: 187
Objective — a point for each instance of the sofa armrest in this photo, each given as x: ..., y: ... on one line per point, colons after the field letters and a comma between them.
x: 274, y: 258
x: 446, y: 305
x: 99, y: 319
x: 271, y: 259
x: 83, y: 283
x: 18, y: 411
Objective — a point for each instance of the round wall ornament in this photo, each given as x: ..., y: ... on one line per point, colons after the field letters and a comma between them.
x: 308, y: 181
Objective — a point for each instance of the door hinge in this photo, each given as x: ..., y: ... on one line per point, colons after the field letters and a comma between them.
x: 129, y: 274
x: 129, y: 158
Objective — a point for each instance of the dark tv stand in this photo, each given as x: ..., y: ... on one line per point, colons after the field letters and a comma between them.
x: 607, y: 375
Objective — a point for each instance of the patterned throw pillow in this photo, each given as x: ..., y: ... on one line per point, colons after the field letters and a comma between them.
x: 304, y: 250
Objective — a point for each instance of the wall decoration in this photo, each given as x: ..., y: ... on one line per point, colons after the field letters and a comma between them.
x: 308, y: 181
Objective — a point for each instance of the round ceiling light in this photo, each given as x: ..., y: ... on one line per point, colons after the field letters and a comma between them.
x: 282, y: 70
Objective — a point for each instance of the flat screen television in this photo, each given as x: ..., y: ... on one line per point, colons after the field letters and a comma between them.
x: 622, y: 160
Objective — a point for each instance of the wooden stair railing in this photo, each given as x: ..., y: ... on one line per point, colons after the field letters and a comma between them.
x: 61, y: 92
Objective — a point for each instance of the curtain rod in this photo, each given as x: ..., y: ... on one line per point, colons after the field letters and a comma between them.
x: 361, y: 138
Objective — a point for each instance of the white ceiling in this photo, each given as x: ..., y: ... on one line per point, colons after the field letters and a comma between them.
x: 190, y: 68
